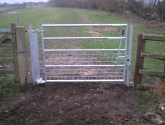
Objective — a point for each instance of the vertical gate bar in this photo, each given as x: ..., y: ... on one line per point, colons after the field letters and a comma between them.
x: 120, y: 44
x: 125, y: 54
x: 34, y: 55
x: 43, y: 52
x: 31, y: 51
x: 129, y: 54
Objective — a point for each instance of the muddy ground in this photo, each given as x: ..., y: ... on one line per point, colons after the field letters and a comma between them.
x: 74, y: 104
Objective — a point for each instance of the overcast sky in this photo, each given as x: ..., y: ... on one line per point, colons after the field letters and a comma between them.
x: 21, y: 1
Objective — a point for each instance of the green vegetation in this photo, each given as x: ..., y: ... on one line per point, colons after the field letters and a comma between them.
x: 8, y: 88
x: 47, y: 15
x: 148, y: 97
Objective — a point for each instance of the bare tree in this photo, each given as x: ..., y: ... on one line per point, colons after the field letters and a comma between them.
x: 161, y: 9
x: 140, y: 7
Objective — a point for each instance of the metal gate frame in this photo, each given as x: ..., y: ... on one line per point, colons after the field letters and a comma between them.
x: 35, y: 55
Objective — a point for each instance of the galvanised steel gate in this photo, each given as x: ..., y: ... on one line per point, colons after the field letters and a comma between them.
x: 82, y: 65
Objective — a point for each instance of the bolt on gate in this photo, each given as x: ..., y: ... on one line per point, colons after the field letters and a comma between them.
x: 82, y: 65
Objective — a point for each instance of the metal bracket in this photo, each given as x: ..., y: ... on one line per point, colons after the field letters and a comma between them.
x: 128, y: 63
x: 40, y: 81
x: 36, y: 31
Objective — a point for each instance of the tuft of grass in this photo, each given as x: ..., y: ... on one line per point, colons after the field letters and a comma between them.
x: 148, y: 100
x: 8, y: 88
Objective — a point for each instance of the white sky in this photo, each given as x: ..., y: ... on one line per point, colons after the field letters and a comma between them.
x: 21, y: 1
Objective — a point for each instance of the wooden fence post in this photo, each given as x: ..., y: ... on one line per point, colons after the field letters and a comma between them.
x: 22, y: 55
x: 13, y: 41
x: 139, y: 60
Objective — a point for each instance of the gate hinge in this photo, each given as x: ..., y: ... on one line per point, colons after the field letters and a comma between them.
x: 36, y: 31
x: 40, y: 81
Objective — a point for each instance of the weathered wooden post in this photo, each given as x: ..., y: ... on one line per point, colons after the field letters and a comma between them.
x: 15, y: 61
x: 21, y: 55
x: 139, y: 60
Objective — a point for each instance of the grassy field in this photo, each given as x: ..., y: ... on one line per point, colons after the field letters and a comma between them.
x: 43, y: 15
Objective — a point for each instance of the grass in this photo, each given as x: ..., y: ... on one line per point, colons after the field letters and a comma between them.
x: 40, y: 15
x: 139, y: 28
x: 8, y: 89
x: 46, y: 15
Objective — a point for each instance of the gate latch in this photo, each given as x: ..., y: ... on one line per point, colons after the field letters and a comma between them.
x: 128, y: 63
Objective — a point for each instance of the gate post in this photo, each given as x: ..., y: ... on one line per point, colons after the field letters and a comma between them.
x: 139, y: 62
x: 35, y: 65
x: 14, y: 44
x: 21, y: 50
x: 129, y: 55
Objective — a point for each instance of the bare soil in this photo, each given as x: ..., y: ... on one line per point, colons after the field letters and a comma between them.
x: 73, y: 104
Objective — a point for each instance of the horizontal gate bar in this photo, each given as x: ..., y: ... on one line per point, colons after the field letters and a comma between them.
x: 83, y: 50
x: 82, y: 38
x: 110, y: 80
x: 82, y: 25
x: 51, y: 66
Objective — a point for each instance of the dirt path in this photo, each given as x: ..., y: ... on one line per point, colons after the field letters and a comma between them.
x: 72, y: 104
